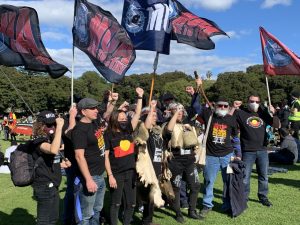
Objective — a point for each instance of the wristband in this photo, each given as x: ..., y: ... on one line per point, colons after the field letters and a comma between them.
x: 139, y: 97
x: 110, y: 174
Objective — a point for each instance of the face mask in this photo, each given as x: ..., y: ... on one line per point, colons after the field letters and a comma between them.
x: 123, y: 125
x: 221, y: 112
x: 253, y: 106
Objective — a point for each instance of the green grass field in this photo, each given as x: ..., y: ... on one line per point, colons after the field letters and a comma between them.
x: 17, y: 206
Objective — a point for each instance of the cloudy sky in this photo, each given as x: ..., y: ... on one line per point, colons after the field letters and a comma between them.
x: 239, y: 18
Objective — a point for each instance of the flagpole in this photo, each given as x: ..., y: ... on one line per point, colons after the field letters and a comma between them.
x: 268, y: 90
x: 153, y: 76
x: 72, y: 78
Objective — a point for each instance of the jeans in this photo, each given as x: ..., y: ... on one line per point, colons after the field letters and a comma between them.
x: 68, y: 216
x: 126, y: 188
x: 184, y: 167
x: 92, y: 203
x: 211, y: 169
x: 260, y: 158
x: 47, y: 198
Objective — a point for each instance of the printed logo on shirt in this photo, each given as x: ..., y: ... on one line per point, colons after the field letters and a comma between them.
x: 100, y: 138
x: 124, y: 149
x: 255, y: 122
x: 157, y: 155
x: 219, y: 133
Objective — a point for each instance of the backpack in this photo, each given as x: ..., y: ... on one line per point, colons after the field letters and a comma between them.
x: 23, y: 163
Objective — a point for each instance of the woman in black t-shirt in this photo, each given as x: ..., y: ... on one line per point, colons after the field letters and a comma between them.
x: 47, y: 132
x: 120, y: 160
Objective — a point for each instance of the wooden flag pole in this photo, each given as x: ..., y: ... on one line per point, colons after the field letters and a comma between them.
x: 268, y: 90
x: 153, y: 76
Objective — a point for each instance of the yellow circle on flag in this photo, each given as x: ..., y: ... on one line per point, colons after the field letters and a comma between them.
x: 125, y: 145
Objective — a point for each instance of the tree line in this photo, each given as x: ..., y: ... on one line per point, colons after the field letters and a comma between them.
x: 41, y: 92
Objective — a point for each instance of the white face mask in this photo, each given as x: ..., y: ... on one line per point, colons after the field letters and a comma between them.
x: 253, y: 106
x: 221, y: 112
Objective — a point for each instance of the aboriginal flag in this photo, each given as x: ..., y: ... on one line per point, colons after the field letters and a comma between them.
x: 21, y: 43
x: 147, y: 23
x: 97, y: 33
x: 190, y: 29
x: 278, y: 59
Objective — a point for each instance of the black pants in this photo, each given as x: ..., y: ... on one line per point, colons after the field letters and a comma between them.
x: 47, y: 198
x: 295, y: 125
x: 183, y: 167
x: 126, y: 187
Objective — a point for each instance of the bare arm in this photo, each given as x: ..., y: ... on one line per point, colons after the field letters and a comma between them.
x: 72, y: 120
x: 54, y: 147
x: 172, y: 122
x: 148, y: 122
x: 136, y: 117
x: 113, y: 97
x: 111, y: 179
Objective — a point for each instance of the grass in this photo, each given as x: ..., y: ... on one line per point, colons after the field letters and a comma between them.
x: 17, y: 206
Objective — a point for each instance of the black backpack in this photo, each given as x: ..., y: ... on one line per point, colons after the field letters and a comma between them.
x: 23, y: 163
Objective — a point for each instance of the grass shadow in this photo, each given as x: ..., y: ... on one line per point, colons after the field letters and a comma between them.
x: 285, y: 181
x: 19, y: 216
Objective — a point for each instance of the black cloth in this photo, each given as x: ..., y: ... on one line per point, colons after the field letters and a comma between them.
x: 253, y: 128
x: 234, y: 188
x: 122, y: 153
x: 48, y: 169
x: 283, y: 115
x: 155, y: 149
x: 89, y: 136
x: 220, y: 132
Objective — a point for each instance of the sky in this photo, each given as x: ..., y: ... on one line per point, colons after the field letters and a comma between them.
x: 240, y: 19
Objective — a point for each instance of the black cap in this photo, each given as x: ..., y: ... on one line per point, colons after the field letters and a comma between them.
x: 87, y: 103
x: 46, y: 117
x: 222, y: 99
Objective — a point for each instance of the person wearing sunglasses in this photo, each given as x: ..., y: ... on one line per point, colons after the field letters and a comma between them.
x: 252, y: 122
x: 219, y: 150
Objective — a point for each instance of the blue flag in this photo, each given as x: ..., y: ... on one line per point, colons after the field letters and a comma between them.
x: 147, y: 23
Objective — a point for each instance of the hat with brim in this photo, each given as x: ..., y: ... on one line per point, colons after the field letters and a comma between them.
x: 87, y: 103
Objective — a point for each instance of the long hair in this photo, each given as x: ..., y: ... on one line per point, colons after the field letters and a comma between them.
x: 38, y: 130
x: 113, y: 124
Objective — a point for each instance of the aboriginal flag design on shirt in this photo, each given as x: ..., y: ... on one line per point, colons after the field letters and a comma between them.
x: 125, y: 148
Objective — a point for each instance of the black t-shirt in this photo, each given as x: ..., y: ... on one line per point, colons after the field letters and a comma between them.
x: 253, y: 129
x: 155, y: 148
x: 122, y: 154
x: 48, y: 170
x: 89, y: 136
x: 220, y: 133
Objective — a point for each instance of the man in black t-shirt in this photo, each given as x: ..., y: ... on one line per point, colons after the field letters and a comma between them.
x: 252, y: 122
x: 88, y: 141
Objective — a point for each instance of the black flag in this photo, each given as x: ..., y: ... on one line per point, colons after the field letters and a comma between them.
x: 97, y: 33
x: 21, y: 43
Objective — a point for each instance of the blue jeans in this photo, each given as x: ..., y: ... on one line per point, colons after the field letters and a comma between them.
x: 92, y: 203
x: 211, y: 169
x: 260, y: 158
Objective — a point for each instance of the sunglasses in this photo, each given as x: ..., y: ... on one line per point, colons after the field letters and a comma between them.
x: 51, y: 125
x: 251, y: 101
x: 221, y: 105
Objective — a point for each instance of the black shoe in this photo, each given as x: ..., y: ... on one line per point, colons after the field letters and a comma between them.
x: 193, y: 214
x: 179, y: 218
x: 204, y: 212
x: 265, y: 202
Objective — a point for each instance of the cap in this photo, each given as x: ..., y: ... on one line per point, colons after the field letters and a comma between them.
x: 46, y: 117
x: 222, y: 100
x: 296, y: 93
x: 87, y: 103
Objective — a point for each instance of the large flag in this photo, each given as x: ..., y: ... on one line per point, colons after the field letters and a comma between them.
x: 147, y: 23
x: 190, y: 29
x: 97, y: 33
x: 21, y: 43
x: 278, y: 59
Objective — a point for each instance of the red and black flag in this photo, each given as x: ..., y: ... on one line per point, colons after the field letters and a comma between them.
x: 97, y: 33
x: 21, y: 43
x: 190, y: 29
x: 278, y: 59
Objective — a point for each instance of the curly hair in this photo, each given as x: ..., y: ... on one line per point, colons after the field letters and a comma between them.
x: 38, y: 130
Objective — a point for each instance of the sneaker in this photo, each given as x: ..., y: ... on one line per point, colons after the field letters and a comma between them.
x: 179, y: 218
x: 193, y: 214
x: 265, y: 202
x: 204, y: 212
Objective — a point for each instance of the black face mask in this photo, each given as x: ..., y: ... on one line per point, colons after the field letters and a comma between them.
x: 123, y: 125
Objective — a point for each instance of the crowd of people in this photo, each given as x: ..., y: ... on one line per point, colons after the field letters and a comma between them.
x: 99, y: 141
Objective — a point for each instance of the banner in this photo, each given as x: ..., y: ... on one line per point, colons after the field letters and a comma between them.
x: 147, y: 23
x: 190, y: 29
x: 278, y: 59
x: 97, y: 33
x: 21, y: 43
